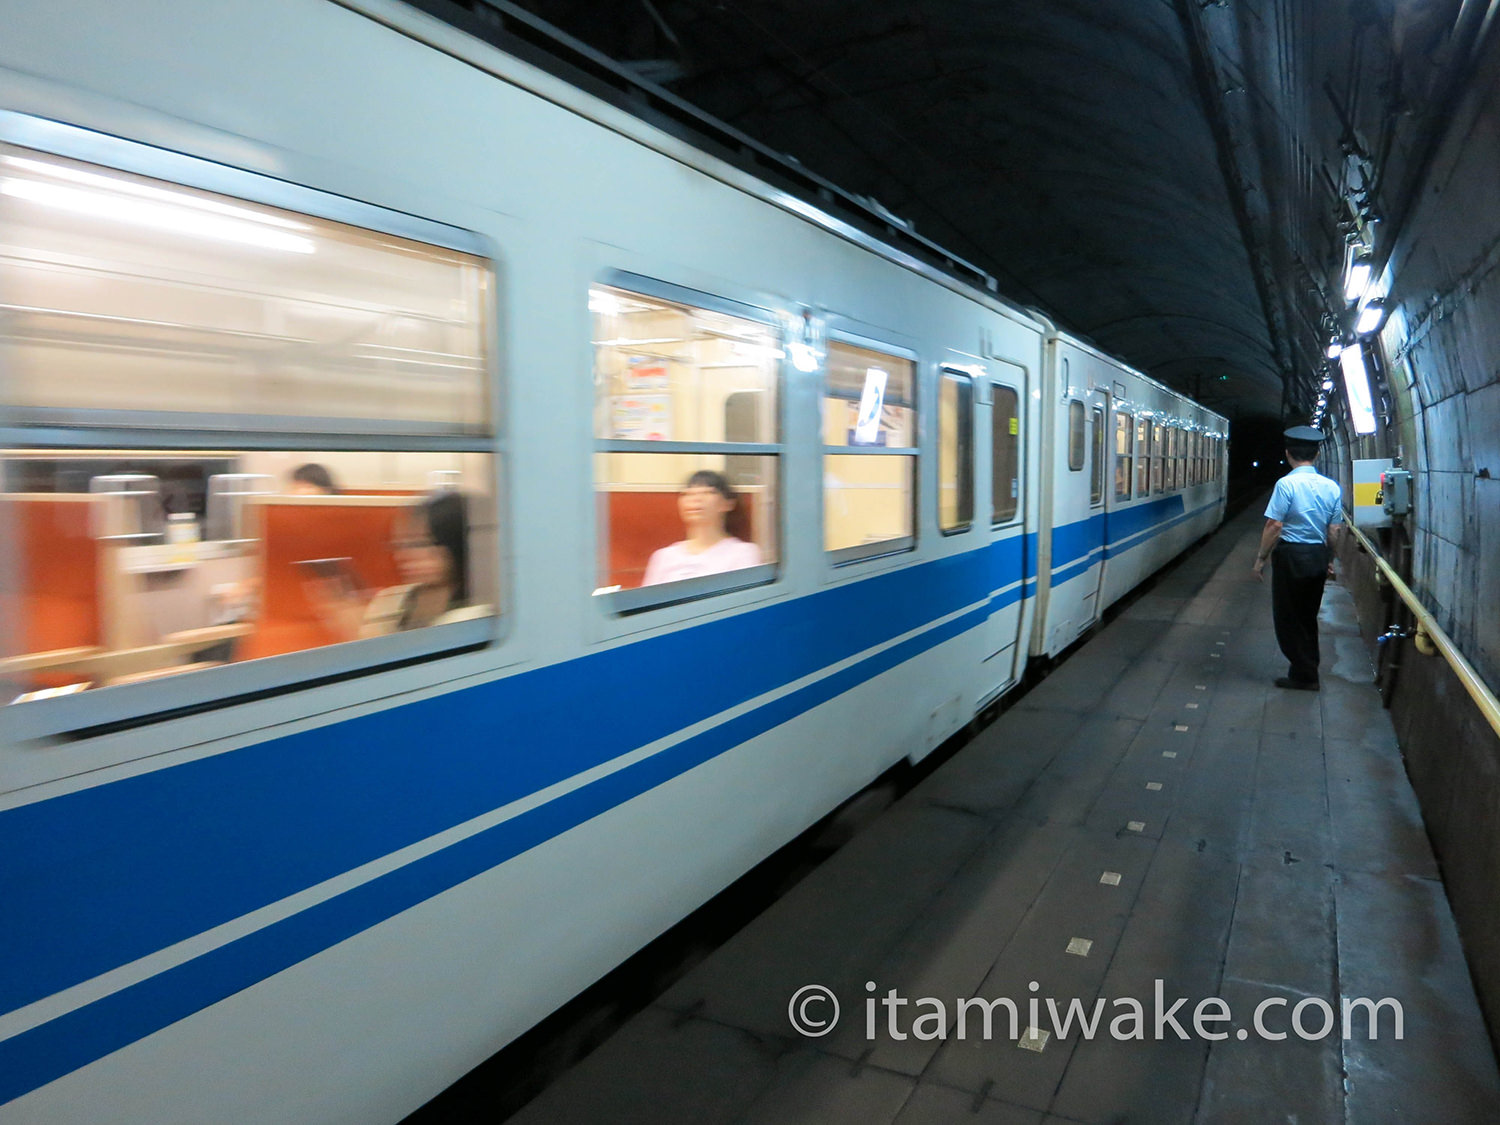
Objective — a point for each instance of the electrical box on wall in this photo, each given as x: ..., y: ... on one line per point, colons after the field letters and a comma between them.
x: 1395, y: 492
x: 1369, y: 495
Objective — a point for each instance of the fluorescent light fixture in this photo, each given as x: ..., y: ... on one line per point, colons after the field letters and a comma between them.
x: 1358, y: 280
x: 1333, y: 349
x: 1357, y: 389
x: 1328, y: 384
x: 176, y: 214
x: 1370, y: 317
x: 170, y: 196
x: 605, y: 304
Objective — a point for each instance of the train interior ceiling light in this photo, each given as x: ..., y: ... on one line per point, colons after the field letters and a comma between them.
x: 117, y: 199
x: 1357, y: 389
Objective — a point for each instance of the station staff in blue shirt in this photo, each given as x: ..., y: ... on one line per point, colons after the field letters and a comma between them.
x: 1304, y: 521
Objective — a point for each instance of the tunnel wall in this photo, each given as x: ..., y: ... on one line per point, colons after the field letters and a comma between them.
x: 1441, y: 370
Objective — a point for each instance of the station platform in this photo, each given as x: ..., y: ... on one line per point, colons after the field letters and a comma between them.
x: 1155, y: 810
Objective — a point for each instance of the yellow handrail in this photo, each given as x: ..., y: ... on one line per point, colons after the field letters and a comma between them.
x: 1483, y: 698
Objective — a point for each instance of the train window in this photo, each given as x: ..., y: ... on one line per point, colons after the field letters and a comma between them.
x: 1179, y: 473
x: 686, y: 391
x: 236, y: 431
x: 1158, y: 456
x: 162, y: 302
x: 1096, y: 453
x: 1142, y: 457
x: 1005, y: 455
x: 1169, y: 470
x: 1195, y: 457
x: 1124, y: 431
x: 869, y: 452
x: 1076, y: 440
x: 955, y: 451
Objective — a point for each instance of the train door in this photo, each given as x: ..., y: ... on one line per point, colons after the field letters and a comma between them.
x: 1076, y: 558
x: 1001, y: 438
x: 1098, y: 470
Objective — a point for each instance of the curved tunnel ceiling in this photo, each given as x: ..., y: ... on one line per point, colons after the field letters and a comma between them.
x: 1165, y: 177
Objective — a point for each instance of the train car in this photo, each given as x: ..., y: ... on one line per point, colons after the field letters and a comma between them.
x: 365, y: 699
x: 1110, y: 530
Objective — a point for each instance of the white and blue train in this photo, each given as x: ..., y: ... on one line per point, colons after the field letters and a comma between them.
x: 313, y: 797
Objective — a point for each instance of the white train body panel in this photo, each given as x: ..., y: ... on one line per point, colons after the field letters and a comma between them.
x: 328, y: 904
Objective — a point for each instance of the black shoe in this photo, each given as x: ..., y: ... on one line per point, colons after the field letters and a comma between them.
x: 1296, y: 685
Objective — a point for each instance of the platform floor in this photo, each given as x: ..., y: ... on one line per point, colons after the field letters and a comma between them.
x: 1282, y: 856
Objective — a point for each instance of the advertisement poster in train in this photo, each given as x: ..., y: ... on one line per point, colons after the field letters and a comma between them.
x: 644, y: 413
x: 643, y: 417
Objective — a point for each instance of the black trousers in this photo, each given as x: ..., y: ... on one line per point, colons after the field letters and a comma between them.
x: 1298, y: 573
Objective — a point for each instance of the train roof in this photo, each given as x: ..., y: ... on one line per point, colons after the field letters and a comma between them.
x: 526, y: 51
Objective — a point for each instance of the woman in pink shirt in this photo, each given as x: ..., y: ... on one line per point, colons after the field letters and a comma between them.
x: 705, y: 504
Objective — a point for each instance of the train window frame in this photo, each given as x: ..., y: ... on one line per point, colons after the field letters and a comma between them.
x: 1142, y: 455
x: 1096, y: 456
x: 1127, y: 455
x: 1077, y: 437
x: 964, y: 451
x: 53, y: 431
x: 621, y: 604
x: 1017, y: 508
x: 842, y: 557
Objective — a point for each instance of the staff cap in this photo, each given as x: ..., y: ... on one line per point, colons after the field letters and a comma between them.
x: 1304, y: 433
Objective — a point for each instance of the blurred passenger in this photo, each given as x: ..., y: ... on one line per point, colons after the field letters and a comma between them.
x: 312, y: 479
x: 707, y: 505
x: 430, y: 544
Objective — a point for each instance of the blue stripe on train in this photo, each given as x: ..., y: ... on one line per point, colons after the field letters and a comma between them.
x: 97, y: 878
x: 122, y: 870
x: 47, y: 1052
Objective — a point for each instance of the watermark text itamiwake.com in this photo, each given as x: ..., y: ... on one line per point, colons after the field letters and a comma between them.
x: 814, y: 1011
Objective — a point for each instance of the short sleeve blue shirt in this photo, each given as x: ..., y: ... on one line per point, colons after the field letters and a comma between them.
x: 1305, y: 502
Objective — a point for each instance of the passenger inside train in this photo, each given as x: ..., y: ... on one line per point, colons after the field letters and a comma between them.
x: 711, y: 515
x: 312, y: 479
x: 683, y: 391
x: 106, y: 587
x: 430, y: 546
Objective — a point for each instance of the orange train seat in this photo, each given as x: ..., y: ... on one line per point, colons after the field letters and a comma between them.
x: 50, y: 594
x: 291, y: 533
x: 643, y: 522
